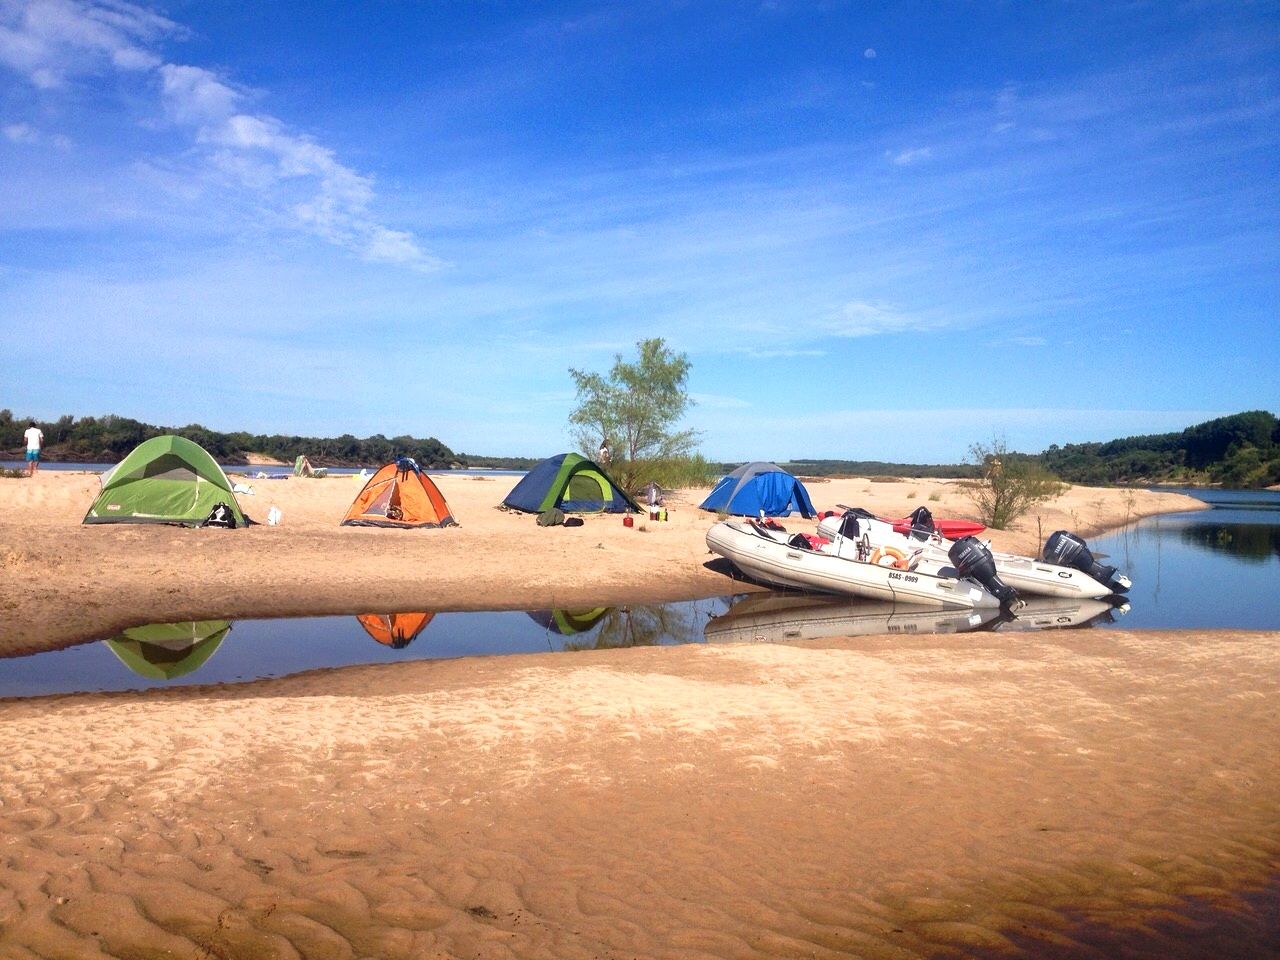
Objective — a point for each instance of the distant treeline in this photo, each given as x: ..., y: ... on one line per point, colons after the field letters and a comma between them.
x: 1242, y: 450
x: 107, y: 440
x: 875, y: 468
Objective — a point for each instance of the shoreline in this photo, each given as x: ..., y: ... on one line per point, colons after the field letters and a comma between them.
x: 63, y: 583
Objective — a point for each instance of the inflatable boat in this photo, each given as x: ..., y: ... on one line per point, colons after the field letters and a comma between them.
x: 1069, y: 569
x: 845, y: 567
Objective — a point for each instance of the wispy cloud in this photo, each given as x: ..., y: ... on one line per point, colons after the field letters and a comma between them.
x: 861, y: 319
x: 26, y: 133
x: 912, y: 156
x: 51, y: 42
x: 716, y: 401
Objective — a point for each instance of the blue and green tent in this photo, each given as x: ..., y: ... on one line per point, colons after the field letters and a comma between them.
x: 572, y: 483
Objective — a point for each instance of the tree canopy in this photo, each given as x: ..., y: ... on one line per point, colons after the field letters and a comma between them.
x: 636, y: 406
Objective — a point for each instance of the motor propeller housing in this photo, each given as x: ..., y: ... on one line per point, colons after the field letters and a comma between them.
x: 972, y: 559
x: 1067, y: 550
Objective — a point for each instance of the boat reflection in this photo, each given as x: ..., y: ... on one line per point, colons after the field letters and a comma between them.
x: 395, y: 630
x: 1057, y: 613
x: 773, y: 617
x: 165, y: 651
x: 776, y: 617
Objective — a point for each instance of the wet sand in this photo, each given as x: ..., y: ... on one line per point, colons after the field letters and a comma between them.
x: 962, y: 795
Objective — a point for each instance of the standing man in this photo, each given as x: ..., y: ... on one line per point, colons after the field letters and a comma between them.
x: 35, y: 438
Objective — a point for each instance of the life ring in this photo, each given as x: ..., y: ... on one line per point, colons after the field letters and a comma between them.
x: 900, y: 560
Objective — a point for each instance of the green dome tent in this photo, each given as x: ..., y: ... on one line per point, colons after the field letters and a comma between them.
x: 163, y: 651
x: 569, y: 482
x: 167, y: 479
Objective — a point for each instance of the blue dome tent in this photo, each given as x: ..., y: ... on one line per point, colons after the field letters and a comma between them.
x: 757, y: 487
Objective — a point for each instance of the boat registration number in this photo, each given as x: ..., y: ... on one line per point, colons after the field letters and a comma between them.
x: 906, y: 577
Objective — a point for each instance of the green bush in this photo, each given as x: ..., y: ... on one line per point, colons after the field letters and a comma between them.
x: 669, y: 473
x: 1009, y: 485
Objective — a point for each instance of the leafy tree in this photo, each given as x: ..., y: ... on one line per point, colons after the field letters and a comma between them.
x: 1009, y: 484
x: 636, y: 408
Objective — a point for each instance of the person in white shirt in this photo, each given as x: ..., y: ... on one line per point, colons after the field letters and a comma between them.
x: 35, y: 439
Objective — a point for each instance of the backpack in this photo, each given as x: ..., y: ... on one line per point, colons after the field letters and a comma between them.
x: 220, y: 516
x: 551, y: 518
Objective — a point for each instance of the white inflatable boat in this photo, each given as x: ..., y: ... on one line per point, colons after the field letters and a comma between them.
x: 1075, y: 575
x: 774, y: 558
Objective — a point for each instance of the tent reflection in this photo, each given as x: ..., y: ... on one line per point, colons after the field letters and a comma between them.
x: 164, y: 651
x: 395, y: 630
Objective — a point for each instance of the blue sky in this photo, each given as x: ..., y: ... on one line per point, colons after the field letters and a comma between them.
x: 879, y: 231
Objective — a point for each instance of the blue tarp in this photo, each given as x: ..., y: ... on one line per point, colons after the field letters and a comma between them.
x: 756, y: 487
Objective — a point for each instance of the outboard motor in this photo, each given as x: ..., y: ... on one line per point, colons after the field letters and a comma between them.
x: 1068, y: 550
x: 921, y: 521
x: 972, y: 559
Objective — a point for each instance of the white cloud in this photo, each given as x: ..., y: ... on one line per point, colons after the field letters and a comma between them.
x: 48, y: 41
x: 1024, y: 341
x: 858, y: 318
x: 21, y: 133
x: 869, y: 53
x: 27, y: 134
x: 906, y: 158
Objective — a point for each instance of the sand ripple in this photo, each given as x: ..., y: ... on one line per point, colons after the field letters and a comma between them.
x: 913, y: 797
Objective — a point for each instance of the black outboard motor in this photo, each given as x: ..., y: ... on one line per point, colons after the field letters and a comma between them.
x: 1067, y: 550
x: 972, y: 559
x: 921, y: 521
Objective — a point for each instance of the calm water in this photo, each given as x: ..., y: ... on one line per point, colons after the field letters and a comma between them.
x: 1217, y: 568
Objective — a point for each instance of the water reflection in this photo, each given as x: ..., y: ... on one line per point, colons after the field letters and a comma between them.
x: 394, y: 630
x: 609, y: 628
x: 569, y: 622
x: 163, y: 651
x: 781, y: 617
x: 775, y: 617
x: 1251, y: 542
x: 1057, y: 613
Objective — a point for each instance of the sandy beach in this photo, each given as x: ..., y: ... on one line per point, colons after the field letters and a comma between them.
x: 933, y: 796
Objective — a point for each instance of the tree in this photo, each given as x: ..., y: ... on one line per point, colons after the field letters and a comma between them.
x: 1008, y: 484
x: 636, y: 407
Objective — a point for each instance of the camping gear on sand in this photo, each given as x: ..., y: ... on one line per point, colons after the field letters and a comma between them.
x: 167, y: 479
x: 399, y: 495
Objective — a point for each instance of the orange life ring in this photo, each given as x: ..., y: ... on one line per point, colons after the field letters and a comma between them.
x: 900, y: 560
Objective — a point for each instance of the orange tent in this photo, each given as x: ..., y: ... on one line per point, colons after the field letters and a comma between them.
x: 396, y: 630
x: 399, y: 495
